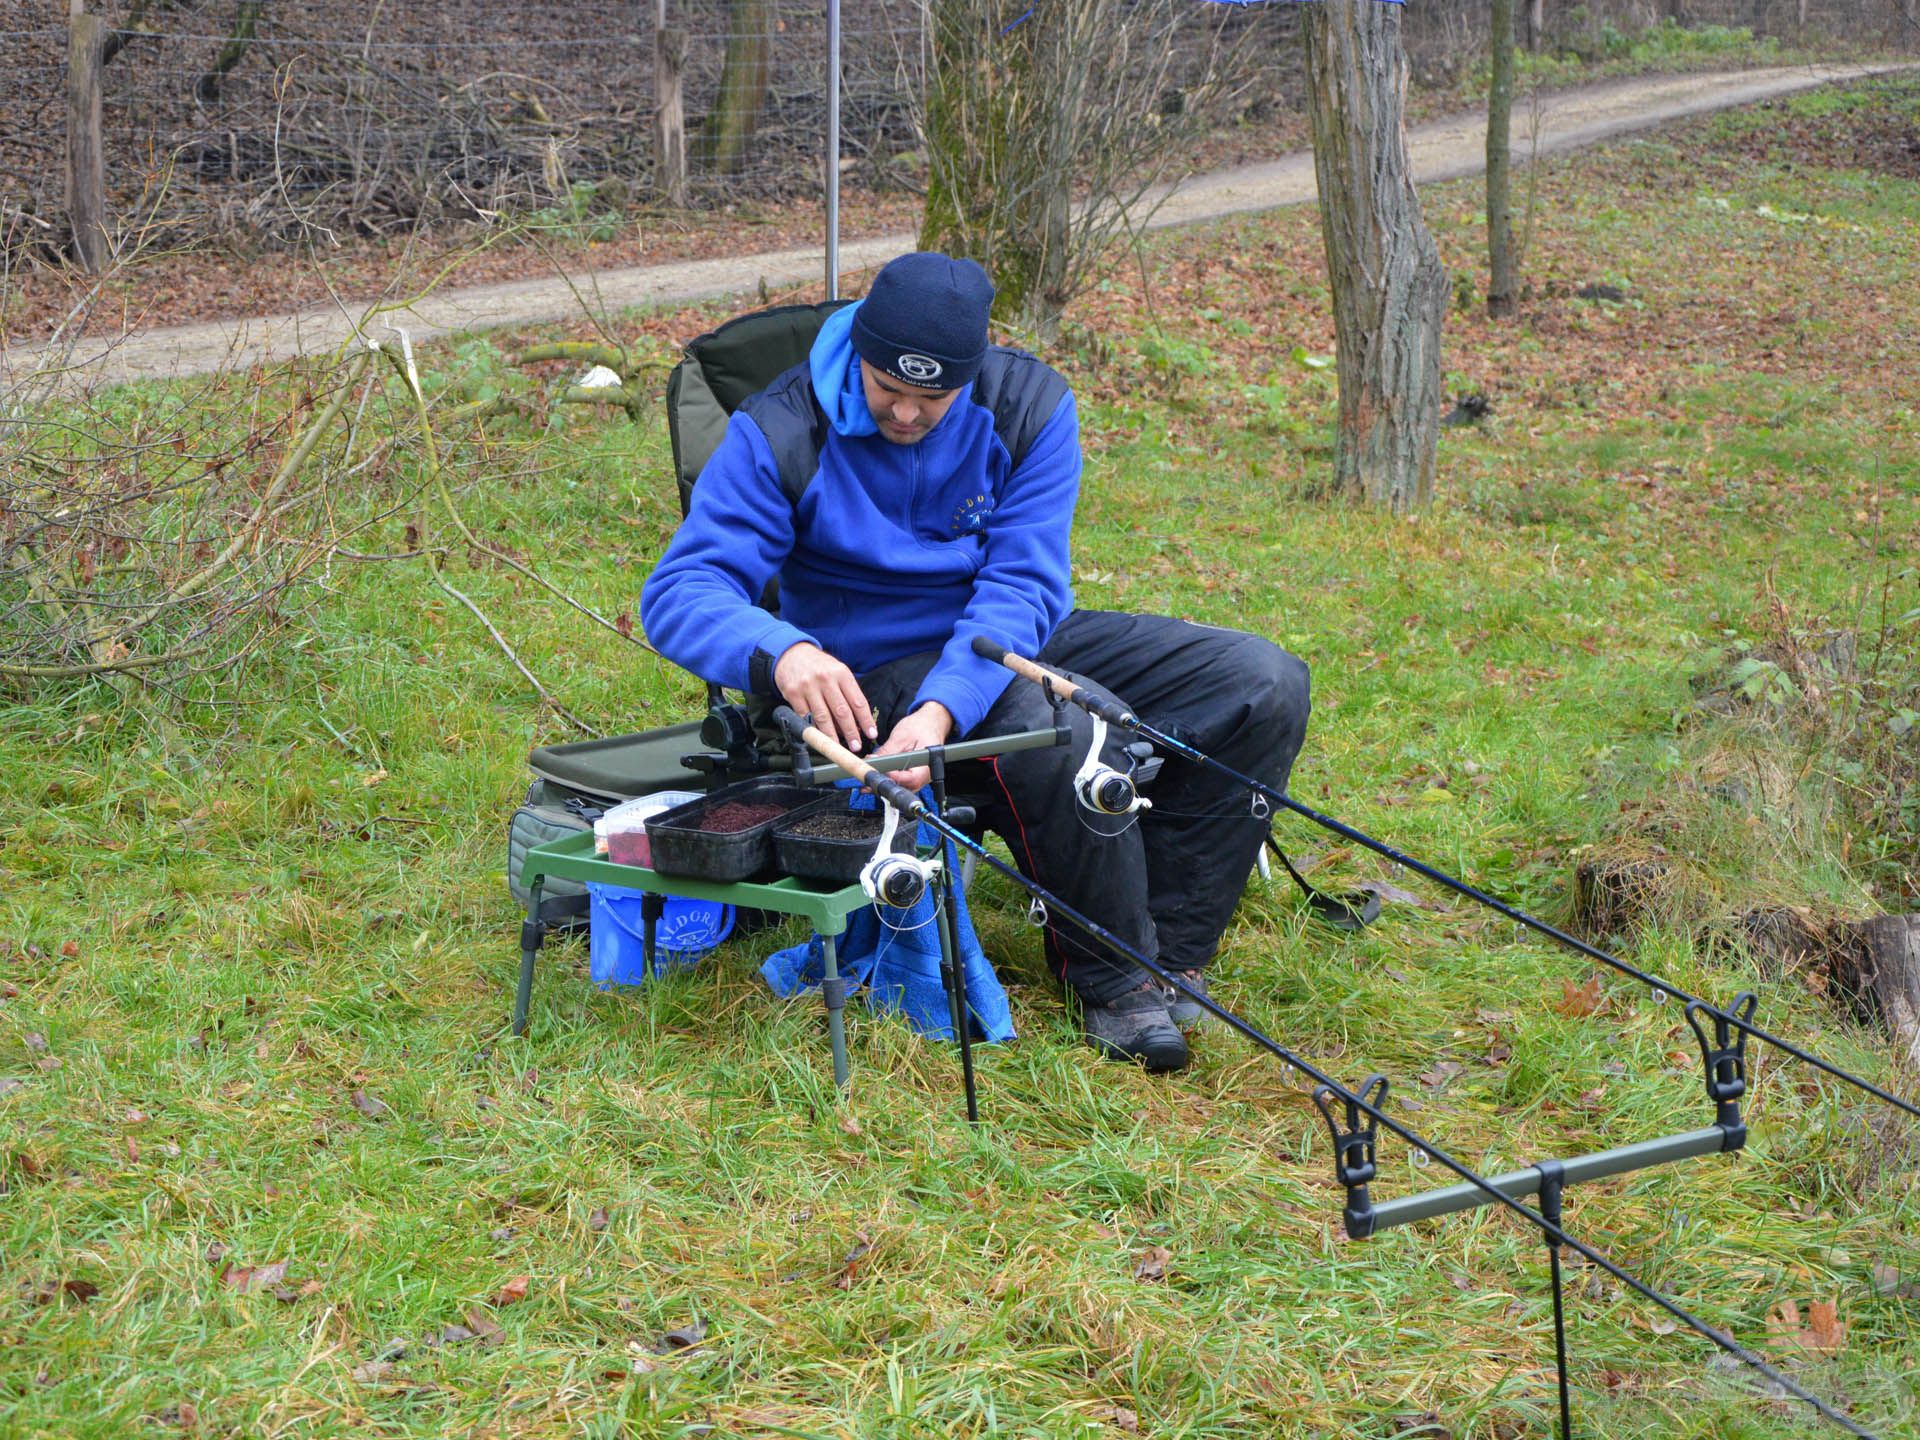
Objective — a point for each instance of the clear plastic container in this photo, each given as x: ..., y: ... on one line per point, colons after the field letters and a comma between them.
x: 621, y: 833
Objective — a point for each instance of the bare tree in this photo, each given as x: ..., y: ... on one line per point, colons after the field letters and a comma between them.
x: 1047, y: 127
x: 1389, y: 288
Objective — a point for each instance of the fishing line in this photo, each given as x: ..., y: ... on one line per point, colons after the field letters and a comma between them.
x: 1125, y: 719
x: 911, y: 805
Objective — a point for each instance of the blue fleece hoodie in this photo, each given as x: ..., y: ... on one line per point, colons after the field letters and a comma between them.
x: 892, y: 550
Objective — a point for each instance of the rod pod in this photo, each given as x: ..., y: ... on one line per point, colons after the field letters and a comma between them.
x: 1121, y: 716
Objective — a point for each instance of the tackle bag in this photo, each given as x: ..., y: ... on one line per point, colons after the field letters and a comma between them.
x: 574, y: 784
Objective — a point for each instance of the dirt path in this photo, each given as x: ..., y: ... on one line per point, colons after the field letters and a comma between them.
x: 1443, y: 150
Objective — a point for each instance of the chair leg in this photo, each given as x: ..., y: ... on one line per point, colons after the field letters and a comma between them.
x: 533, y: 932
x: 833, y: 993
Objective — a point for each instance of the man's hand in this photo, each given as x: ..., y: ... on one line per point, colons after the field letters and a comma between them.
x: 930, y: 725
x: 823, y: 689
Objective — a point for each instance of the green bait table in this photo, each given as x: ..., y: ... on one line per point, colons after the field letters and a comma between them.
x: 573, y: 858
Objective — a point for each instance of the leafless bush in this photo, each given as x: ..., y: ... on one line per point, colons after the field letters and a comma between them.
x: 156, y: 536
x: 153, y: 538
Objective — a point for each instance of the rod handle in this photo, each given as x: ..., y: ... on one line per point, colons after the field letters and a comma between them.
x: 802, y: 731
x: 1107, y: 710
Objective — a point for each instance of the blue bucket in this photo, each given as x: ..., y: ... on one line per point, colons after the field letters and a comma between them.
x: 616, y: 937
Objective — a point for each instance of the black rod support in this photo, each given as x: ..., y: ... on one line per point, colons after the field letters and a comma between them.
x: 1725, y: 1059
x: 1405, y: 1209
x: 1354, y: 1148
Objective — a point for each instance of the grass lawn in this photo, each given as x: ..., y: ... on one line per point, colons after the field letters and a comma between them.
x: 256, y: 951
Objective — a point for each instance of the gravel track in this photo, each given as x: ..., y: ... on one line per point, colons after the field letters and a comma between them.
x: 1443, y: 150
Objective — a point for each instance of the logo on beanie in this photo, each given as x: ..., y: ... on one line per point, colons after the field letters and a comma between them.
x: 918, y: 368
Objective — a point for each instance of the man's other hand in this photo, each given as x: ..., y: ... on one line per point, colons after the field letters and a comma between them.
x: 930, y: 725
x: 824, y: 690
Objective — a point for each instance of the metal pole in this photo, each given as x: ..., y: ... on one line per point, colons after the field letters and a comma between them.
x: 982, y: 749
x: 833, y: 149
x: 1580, y: 1169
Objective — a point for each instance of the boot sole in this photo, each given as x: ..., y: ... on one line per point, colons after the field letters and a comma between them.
x: 1158, y: 1059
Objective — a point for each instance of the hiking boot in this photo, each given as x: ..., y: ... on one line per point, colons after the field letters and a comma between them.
x: 1184, y: 1012
x: 1134, y: 1026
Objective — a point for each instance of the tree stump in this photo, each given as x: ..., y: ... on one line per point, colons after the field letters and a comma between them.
x: 1614, y: 895
x: 1782, y: 939
x: 1879, y: 968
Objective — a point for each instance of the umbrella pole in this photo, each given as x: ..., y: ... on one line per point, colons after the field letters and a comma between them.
x: 833, y: 149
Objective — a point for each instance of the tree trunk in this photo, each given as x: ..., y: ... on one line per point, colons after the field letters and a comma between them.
x: 1880, y: 967
x: 1537, y: 22
x: 730, y: 125
x: 207, y: 88
x: 669, y: 113
x: 86, y: 156
x: 1389, y: 288
x: 981, y: 102
x: 1500, y: 258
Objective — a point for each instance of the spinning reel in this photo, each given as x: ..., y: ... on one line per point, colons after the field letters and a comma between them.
x: 1101, y: 788
x: 891, y: 878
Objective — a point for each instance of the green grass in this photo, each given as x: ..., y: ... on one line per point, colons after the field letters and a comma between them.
x: 223, y: 922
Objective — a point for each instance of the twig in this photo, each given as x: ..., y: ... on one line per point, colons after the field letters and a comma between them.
x: 411, y: 375
x: 545, y: 694
x: 412, y: 378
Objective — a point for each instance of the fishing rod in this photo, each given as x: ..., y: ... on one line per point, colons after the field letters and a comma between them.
x: 1356, y: 1147
x: 1119, y: 716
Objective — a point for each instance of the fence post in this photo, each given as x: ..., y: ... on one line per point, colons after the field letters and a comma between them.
x: 86, y: 163
x: 669, y: 118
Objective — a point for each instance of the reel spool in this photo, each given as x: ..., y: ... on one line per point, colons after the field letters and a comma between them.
x: 1101, y: 788
x: 891, y: 879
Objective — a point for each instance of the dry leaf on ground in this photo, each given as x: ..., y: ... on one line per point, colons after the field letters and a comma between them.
x: 371, y: 1106
x: 514, y: 1291
x: 248, y: 1279
x: 1578, y: 1000
x: 483, y: 1325
x: 1823, y: 1333
x: 685, y: 1338
x: 1887, y: 1281
x: 1152, y: 1264
x: 850, y: 1266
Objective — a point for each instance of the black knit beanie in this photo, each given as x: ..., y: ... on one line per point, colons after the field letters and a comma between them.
x: 924, y: 321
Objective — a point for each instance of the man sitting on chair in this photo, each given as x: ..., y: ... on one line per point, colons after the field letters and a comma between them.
x: 912, y: 487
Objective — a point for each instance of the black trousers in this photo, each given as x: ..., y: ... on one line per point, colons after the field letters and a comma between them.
x: 1167, y: 884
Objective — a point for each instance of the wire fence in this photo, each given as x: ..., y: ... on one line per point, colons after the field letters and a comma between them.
x: 263, y: 120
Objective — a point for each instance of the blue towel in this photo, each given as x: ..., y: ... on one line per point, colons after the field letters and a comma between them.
x: 895, y: 954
